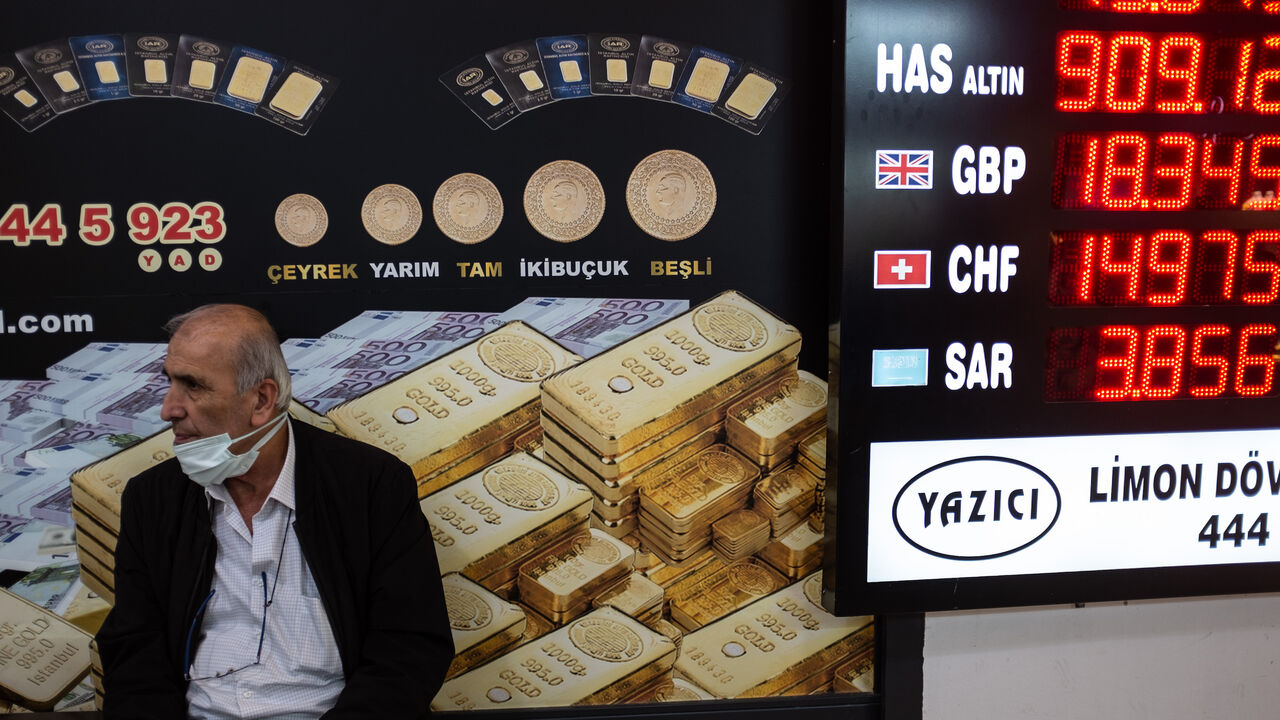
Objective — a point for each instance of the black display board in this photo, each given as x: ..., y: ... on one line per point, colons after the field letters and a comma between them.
x: 1071, y: 401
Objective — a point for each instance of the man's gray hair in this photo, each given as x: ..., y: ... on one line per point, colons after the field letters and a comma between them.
x: 258, y: 351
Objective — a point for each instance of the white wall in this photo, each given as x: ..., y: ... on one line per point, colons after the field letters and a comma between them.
x: 1211, y: 658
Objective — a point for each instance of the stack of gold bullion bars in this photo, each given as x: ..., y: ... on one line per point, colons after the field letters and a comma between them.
x: 628, y: 528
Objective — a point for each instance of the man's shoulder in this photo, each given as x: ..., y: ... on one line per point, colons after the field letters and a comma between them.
x: 338, y: 451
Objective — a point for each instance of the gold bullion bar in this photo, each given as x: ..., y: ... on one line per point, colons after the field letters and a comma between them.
x: 304, y: 414
x: 599, y: 658
x: 619, y: 528
x: 482, y: 624
x: 95, y: 583
x: 457, y: 404
x: 814, y: 448
x: 673, y: 690
x: 626, y: 485
x: 529, y: 441
x: 668, y: 573
x: 573, y: 570
x: 786, y: 489
x: 538, y: 541
x: 87, y: 611
x: 461, y: 468
x: 615, y: 511
x: 769, y: 645
x: 635, y: 595
x: 694, y: 488
x: 87, y: 543
x: 739, y: 527
x: 726, y: 590
x: 856, y: 675
x: 821, y: 667
x: 670, y: 374
x: 496, y: 517
x: 63, y: 658
x: 535, y: 626
x: 668, y: 628
x: 795, y: 549
x: 775, y: 417
x: 807, y: 464
x: 96, y: 488
x: 88, y: 524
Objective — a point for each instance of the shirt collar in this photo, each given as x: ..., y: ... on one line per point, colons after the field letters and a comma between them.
x: 282, y: 492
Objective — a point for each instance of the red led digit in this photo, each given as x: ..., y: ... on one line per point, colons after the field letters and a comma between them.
x: 1240, y: 92
x: 1129, y: 60
x: 1180, y: 174
x: 1124, y: 157
x: 1178, y: 269
x: 1255, y: 265
x: 1186, y: 74
x: 1162, y: 352
x: 1087, y: 193
x: 1265, y: 77
x: 1085, y: 292
x: 1121, y: 367
x: 1229, y: 172
x: 1132, y: 268
x: 1264, y: 363
x: 1259, y: 171
x: 1204, y: 361
x: 1228, y: 240
x: 1078, y: 81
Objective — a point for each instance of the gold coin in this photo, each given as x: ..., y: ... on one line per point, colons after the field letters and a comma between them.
x: 301, y: 220
x: 671, y: 195
x: 467, y: 208
x: 391, y: 214
x: 564, y: 201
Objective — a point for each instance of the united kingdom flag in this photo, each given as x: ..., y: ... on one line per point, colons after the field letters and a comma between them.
x: 904, y: 169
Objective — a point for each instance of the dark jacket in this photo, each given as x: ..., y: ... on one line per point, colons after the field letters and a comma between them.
x: 367, y: 544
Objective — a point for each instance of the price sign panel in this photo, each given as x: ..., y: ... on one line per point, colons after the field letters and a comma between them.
x: 1059, y: 306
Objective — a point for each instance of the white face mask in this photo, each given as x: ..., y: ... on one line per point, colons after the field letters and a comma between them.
x: 209, y: 461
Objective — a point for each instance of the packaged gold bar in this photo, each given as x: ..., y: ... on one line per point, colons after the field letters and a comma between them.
x: 482, y: 623
x: 800, y: 548
x: 812, y: 450
x: 772, y: 644
x: 627, y: 485
x: 597, y: 659
x: 42, y: 656
x: 619, y: 528
x: 773, y: 419
x: 856, y: 675
x: 635, y: 595
x: 502, y: 514
x: 455, y: 405
x: 96, y: 488
x: 694, y: 486
x: 668, y: 573
x: 670, y: 374
x: 573, y: 571
x: 612, y: 467
x: 302, y: 413
x: 729, y: 588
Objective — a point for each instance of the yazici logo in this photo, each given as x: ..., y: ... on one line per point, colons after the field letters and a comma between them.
x: 976, y: 508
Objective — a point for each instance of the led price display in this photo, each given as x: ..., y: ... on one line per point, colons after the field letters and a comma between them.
x: 1161, y: 362
x: 1165, y: 171
x: 1165, y: 268
x: 1138, y: 72
x: 1175, y: 7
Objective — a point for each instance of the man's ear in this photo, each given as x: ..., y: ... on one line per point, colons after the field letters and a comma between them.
x: 264, y: 401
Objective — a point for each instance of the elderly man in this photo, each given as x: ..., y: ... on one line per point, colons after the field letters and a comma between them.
x: 270, y: 569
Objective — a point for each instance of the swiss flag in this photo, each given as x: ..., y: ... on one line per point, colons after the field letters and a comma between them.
x: 902, y: 269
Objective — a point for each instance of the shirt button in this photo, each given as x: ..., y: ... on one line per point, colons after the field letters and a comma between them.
x: 247, y: 694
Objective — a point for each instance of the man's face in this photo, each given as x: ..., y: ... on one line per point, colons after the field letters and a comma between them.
x: 202, y: 400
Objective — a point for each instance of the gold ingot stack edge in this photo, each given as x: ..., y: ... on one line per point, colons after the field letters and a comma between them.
x: 487, y: 524
x: 784, y: 643
x: 482, y: 624
x: 600, y: 658
x: 767, y: 425
x: 461, y: 411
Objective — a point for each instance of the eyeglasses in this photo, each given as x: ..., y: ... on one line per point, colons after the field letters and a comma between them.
x: 262, y: 635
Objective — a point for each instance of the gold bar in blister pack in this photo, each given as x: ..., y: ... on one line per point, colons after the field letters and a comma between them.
x: 670, y: 374
x: 500, y: 515
x: 635, y: 595
x: 453, y: 406
x: 482, y: 624
x: 304, y: 414
x: 96, y: 488
x: 772, y: 644
x: 571, y: 572
x: 619, y: 528
x: 698, y: 488
x: 626, y: 485
x: 773, y: 419
x: 796, y: 552
x: 856, y: 675
x: 39, y: 679
x: 599, y: 658
x: 709, y: 598
x: 673, y: 690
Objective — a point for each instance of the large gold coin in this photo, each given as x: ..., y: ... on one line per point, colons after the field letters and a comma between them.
x: 467, y: 208
x: 391, y: 214
x: 564, y: 201
x: 301, y: 220
x: 671, y: 195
